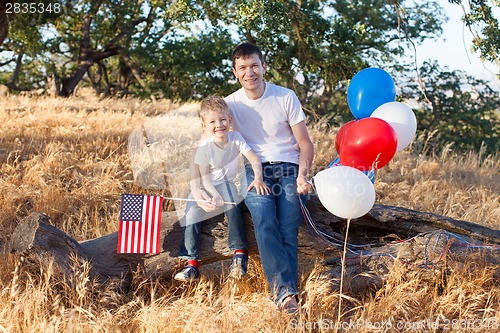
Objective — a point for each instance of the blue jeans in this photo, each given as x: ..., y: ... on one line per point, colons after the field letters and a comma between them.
x: 276, y: 218
x: 191, y: 226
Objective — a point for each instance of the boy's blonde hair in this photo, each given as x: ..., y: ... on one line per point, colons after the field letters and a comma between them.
x: 212, y: 103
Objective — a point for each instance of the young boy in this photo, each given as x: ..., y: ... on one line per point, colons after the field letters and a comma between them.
x: 217, y: 158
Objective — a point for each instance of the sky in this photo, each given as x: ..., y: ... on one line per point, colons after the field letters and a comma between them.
x: 455, y: 52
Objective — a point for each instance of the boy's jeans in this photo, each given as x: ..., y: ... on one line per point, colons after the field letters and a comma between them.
x: 191, y: 226
x: 276, y: 218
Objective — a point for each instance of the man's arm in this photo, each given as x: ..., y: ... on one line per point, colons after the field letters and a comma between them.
x: 258, y: 182
x: 306, y: 155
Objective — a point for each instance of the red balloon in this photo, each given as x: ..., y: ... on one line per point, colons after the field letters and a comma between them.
x: 341, y: 133
x: 369, y: 144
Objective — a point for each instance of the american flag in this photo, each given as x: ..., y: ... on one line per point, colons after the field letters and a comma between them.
x: 140, y: 220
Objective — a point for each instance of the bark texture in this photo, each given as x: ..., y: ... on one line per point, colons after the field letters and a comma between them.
x: 374, y: 243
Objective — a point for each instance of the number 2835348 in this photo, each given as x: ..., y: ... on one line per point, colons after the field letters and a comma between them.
x: 33, y: 8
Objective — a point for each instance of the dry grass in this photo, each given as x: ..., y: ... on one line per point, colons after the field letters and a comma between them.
x: 69, y: 158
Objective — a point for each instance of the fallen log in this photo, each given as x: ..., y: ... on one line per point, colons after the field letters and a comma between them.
x: 395, y: 235
x: 383, y: 220
x: 40, y: 243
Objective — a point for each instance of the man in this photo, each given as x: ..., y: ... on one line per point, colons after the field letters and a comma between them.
x: 271, y: 120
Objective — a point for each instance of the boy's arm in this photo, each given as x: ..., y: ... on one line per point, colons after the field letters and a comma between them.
x: 306, y: 156
x: 258, y: 181
x: 209, y: 187
x: 197, y: 186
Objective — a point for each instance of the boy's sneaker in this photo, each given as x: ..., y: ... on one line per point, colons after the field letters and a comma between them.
x: 290, y: 305
x: 239, y: 266
x: 189, y: 273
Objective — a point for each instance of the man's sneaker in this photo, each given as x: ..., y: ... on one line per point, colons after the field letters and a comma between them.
x: 189, y: 273
x: 239, y: 266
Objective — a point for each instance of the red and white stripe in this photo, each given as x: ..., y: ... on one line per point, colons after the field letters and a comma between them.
x: 142, y: 236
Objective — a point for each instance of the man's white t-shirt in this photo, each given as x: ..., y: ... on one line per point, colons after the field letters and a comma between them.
x: 266, y: 123
x: 223, y: 161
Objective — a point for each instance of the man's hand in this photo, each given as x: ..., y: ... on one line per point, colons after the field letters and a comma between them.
x: 260, y: 187
x: 303, y: 185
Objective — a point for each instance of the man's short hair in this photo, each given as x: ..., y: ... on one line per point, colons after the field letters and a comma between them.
x: 212, y: 103
x: 246, y: 50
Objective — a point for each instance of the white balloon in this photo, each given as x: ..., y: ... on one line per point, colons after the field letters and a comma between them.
x: 345, y: 191
x: 401, y: 117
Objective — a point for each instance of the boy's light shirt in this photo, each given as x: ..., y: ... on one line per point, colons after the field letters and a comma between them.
x: 224, y: 162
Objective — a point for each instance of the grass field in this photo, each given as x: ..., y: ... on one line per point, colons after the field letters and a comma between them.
x: 69, y: 158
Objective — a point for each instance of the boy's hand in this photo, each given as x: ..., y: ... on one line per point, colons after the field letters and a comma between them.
x: 217, y: 200
x: 303, y: 185
x: 260, y: 187
x: 205, y: 203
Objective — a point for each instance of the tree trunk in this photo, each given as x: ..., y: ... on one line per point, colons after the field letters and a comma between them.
x: 87, y: 56
x: 125, y: 59
x: 11, y: 84
x: 39, y: 243
x: 4, y: 21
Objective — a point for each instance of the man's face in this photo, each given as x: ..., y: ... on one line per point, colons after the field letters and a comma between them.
x: 249, y: 71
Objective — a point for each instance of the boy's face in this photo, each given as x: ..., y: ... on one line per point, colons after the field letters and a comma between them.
x: 217, y: 124
x: 249, y: 71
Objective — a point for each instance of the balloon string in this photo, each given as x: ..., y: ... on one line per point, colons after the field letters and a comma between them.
x: 310, y: 182
x: 343, y: 270
x: 358, y: 250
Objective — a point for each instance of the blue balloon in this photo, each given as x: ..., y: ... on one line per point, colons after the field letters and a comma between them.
x: 369, y: 89
x: 370, y: 174
x: 333, y: 163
